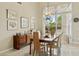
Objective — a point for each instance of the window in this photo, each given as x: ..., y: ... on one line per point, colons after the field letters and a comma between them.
x: 54, y: 16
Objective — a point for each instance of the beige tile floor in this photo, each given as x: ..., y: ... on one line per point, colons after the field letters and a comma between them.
x: 22, y: 52
x: 65, y: 50
x: 70, y: 50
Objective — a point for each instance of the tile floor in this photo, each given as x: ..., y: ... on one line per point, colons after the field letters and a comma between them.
x: 65, y: 50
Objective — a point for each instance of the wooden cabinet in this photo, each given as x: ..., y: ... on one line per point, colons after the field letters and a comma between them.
x: 19, y: 41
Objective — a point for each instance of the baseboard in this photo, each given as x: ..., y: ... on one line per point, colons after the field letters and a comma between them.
x: 5, y: 50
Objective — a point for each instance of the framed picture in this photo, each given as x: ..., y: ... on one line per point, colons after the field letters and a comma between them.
x: 24, y: 22
x: 32, y: 23
x: 11, y: 14
x: 11, y: 24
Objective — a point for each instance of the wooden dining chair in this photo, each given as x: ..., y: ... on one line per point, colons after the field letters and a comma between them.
x: 37, y: 46
x: 54, y: 44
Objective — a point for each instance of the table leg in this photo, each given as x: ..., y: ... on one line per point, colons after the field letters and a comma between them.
x: 50, y: 51
x: 30, y: 48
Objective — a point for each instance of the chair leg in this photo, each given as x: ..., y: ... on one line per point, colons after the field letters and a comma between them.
x: 33, y: 52
x: 44, y: 50
x: 47, y: 50
x: 58, y: 51
x: 53, y: 51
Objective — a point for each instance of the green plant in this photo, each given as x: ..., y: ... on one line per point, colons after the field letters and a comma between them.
x: 52, y: 27
x: 59, y: 22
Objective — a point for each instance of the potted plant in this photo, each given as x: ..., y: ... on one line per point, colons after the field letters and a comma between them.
x: 52, y: 27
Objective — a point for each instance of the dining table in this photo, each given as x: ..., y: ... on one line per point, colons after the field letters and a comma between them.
x: 44, y: 40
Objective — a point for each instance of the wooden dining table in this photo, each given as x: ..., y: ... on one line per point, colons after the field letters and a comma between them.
x: 44, y: 40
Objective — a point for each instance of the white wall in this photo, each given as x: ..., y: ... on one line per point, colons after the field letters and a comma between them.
x: 75, y: 25
x: 26, y: 10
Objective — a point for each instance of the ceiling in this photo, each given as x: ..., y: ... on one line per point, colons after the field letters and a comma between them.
x: 53, y: 3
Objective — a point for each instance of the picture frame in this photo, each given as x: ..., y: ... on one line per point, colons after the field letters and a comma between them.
x: 32, y: 23
x: 11, y: 25
x: 10, y: 14
x: 24, y: 22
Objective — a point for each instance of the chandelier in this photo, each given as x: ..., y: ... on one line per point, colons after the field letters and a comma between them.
x: 48, y: 10
x: 20, y: 3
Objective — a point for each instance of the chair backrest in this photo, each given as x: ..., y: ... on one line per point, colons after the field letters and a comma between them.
x: 36, y: 42
x: 39, y: 33
x: 65, y: 39
x: 57, y: 40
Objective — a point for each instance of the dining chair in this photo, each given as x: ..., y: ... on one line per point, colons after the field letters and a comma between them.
x: 55, y: 44
x: 37, y: 46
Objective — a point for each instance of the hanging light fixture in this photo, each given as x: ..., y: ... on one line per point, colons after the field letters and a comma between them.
x: 47, y: 9
x: 20, y: 3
